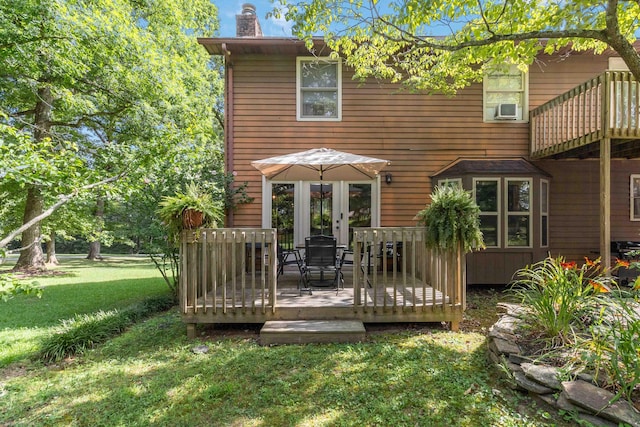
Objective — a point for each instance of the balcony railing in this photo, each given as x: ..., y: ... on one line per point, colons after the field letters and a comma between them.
x: 607, y: 106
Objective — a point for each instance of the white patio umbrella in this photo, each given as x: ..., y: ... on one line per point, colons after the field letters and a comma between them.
x: 320, y: 163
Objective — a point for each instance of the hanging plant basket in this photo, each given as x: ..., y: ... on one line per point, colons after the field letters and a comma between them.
x: 191, y: 219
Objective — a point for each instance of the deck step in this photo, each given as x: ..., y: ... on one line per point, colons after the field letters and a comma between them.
x: 311, y: 331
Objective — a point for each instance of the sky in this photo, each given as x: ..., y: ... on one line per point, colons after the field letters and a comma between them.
x: 228, y: 9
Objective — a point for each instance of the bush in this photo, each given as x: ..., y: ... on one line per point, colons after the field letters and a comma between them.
x: 85, y: 331
x: 559, y: 296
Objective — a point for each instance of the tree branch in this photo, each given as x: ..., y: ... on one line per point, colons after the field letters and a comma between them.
x: 62, y: 199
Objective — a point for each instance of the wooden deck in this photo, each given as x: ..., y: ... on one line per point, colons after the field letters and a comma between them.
x: 573, y: 124
x: 222, y: 282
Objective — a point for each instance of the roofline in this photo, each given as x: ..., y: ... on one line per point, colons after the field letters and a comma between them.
x: 218, y: 46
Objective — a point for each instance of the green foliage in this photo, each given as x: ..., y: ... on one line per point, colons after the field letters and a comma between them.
x: 452, y: 220
x: 101, y: 89
x: 443, y: 46
x: 559, y: 297
x: 85, y: 331
x: 614, y: 347
x: 172, y: 207
x: 10, y: 286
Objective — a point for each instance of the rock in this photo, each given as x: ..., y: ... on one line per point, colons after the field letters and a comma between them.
x: 200, y: 349
x: 543, y: 374
x: 530, y: 385
x: 563, y: 403
x: 501, y: 346
x: 506, y: 325
x: 597, y: 400
x: 595, y: 421
x: 518, y: 359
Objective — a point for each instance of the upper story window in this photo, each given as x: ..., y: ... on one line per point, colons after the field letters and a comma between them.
x: 319, y: 89
x: 506, y: 94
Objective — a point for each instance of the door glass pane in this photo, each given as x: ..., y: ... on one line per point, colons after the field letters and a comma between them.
x: 518, y: 230
x: 282, y: 214
x: 359, y: 207
x: 321, y: 208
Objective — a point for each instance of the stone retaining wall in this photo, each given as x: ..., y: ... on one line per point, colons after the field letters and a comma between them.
x: 581, y: 396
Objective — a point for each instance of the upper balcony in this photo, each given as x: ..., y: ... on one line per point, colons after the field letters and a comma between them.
x: 573, y: 124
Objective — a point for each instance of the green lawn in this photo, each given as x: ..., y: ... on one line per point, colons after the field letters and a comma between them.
x: 77, y: 286
x: 150, y: 375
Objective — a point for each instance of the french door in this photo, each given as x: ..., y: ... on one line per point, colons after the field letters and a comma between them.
x: 305, y: 208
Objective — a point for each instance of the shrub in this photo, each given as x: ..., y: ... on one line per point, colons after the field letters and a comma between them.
x: 85, y: 331
x: 452, y: 220
x: 559, y: 296
x: 614, y: 347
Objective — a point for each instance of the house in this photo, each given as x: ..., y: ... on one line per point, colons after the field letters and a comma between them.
x: 526, y: 144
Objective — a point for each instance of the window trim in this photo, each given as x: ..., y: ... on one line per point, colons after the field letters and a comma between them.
x: 543, y: 213
x: 299, y: 88
x: 498, y: 212
x: 633, y: 217
x: 508, y: 213
x: 525, y: 98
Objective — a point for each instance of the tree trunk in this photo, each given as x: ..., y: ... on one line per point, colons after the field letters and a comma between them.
x: 31, y: 258
x: 95, y: 246
x: 51, y: 249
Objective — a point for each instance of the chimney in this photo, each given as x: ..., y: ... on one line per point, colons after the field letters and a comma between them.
x: 247, y: 24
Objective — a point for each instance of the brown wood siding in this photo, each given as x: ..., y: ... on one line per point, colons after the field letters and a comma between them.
x: 575, y: 206
x: 420, y: 134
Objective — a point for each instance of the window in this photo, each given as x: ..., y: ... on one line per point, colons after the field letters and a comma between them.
x: 506, y: 86
x: 453, y: 182
x: 544, y: 213
x: 518, y: 212
x: 635, y: 198
x: 487, y: 197
x: 319, y: 89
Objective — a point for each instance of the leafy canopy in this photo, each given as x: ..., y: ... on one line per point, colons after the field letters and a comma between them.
x: 444, y: 45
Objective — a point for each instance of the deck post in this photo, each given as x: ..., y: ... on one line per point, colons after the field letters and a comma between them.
x: 191, y: 331
x: 605, y: 203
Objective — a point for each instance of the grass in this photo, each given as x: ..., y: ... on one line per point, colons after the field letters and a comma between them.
x: 150, y: 375
x: 76, y: 287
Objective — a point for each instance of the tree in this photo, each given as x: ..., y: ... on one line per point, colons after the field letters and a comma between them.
x: 396, y: 40
x: 94, y: 90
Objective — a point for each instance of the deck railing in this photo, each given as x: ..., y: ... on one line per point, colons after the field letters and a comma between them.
x: 234, y: 271
x: 605, y: 106
x: 398, y: 263
x: 228, y: 270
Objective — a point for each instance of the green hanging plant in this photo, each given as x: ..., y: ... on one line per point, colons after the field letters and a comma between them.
x: 452, y: 220
x: 173, y: 210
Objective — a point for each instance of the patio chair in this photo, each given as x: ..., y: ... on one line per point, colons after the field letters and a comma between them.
x: 321, y: 267
x: 288, y: 257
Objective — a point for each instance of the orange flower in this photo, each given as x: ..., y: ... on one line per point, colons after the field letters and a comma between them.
x: 621, y: 263
x: 599, y: 287
x: 591, y: 263
x: 568, y: 265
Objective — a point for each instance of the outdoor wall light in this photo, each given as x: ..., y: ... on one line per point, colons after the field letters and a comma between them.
x: 388, y: 178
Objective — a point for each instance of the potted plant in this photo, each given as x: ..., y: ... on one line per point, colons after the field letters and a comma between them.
x: 452, y: 220
x: 190, y: 209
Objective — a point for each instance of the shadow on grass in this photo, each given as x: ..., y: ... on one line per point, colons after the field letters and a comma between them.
x: 150, y: 376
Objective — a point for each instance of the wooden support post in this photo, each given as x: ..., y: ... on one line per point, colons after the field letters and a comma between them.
x: 605, y: 203
x: 191, y: 330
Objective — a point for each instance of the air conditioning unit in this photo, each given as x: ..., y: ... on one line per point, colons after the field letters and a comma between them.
x: 506, y: 112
